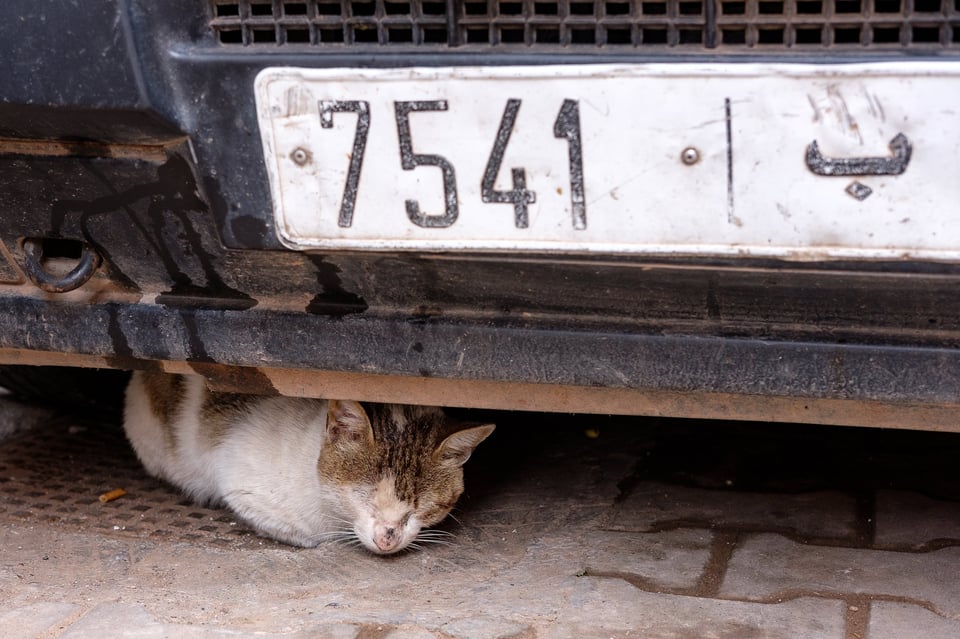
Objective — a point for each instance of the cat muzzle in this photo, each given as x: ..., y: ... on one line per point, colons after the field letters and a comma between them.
x: 387, y: 538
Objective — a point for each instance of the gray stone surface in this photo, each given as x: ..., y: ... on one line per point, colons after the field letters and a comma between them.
x: 484, y: 627
x: 653, y: 505
x: 909, y: 520
x: 771, y: 567
x: 670, y: 559
x: 283, y: 590
x: 639, y: 533
x: 408, y: 633
x: 34, y: 620
x: 133, y: 621
x: 199, y: 591
x: 605, y: 608
x: 893, y: 620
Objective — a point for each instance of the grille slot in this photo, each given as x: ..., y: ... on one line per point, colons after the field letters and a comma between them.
x: 761, y: 25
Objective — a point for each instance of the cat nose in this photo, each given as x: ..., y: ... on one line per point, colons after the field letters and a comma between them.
x: 387, y: 538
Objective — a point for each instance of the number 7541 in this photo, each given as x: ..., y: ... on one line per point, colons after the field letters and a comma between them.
x: 566, y: 126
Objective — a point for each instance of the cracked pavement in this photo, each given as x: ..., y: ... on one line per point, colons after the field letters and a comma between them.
x: 654, y: 528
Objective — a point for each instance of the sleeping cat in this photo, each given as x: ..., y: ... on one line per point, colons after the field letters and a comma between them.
x: 303, y: 471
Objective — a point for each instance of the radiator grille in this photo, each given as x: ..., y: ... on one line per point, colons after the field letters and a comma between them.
x: 855, y: 25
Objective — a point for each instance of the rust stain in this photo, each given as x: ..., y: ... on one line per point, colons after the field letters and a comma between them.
x: 843, y: 111
x: 816, y: 109
x: 62, y: 148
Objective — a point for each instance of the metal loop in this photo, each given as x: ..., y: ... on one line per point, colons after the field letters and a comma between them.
x: 77, y: 277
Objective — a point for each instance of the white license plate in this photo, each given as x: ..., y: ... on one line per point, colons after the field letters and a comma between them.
x: 780, y: 160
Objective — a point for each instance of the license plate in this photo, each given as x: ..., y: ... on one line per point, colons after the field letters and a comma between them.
x: 770, y: 160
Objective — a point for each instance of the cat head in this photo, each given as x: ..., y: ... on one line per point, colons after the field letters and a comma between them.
x: 398, y: 469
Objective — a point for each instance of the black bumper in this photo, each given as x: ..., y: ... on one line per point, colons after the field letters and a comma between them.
x: 127, y: 130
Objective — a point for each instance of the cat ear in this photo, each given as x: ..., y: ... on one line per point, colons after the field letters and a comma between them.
x: 347, y: 422
x: 456, y: 449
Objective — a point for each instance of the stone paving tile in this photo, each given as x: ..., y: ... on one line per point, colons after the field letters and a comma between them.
x: 892, y: 620
x: 606, y: 608
x: 823, y: 514
x: 484, y: 627
x: 911, y: 520
x: 410, y: 633
x: 31, y: 621
x: 769, y: 567
x: 466, y: 590
x: 123, y: 621
x: 671, y: 559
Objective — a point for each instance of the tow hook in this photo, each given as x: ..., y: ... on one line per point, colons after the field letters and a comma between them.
x: 34, y: 251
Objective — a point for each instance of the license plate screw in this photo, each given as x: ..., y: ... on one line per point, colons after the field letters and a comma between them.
x: 690, y: 156
x: 300, y: 156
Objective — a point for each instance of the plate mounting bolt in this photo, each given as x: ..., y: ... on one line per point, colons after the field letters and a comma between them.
x: 300, y: 156
x: 690, y: 156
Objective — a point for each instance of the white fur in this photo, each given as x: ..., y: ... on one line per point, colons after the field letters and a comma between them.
x: 265, y: 471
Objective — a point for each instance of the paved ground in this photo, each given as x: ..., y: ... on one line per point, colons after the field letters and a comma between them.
x: 573, y: 527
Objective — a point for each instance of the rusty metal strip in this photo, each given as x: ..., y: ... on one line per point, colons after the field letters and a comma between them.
x: 63, y: 148
x: 540, y: 397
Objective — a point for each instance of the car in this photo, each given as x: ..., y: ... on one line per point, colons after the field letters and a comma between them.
x: 736, y: 209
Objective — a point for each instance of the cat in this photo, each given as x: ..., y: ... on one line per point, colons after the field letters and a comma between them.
x: 303, y: 471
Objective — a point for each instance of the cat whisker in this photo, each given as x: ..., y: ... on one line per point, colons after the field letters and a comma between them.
x: 439, y: 536
x: 435, y: 542
x: 346, y: 523
x: 435, y: 537
x: 337, y: 535
x: 344, y: 535
x: 345, y: 542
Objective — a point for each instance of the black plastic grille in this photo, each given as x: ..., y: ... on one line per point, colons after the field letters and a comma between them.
x: 687, y: 24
